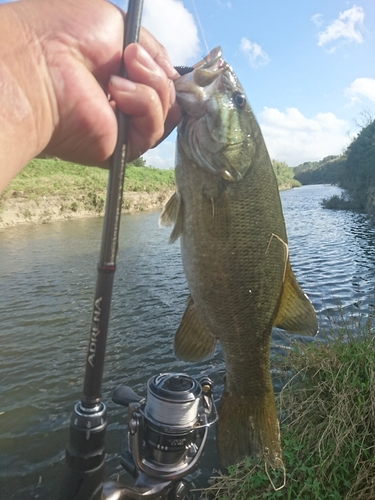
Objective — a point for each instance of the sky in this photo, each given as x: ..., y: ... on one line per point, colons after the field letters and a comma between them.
x: 307, y: 66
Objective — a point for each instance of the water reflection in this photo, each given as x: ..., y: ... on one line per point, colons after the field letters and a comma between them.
x: 332, y: 252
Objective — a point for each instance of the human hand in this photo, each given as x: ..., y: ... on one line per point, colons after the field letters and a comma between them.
x: 67, y: 52
x: 87, y: 129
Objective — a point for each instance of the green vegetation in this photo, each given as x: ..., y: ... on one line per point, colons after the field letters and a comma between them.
x: 326, y: 171
x: 358, y: 176
x: 342, y: 202
x: 54, y: 177
x: 87, y: 185
x: 353, y: 171
x: 285, y: 175
x: 328, y: 426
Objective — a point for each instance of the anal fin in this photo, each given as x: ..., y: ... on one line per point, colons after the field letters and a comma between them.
x: 295, y: 312
x: 193, y: 342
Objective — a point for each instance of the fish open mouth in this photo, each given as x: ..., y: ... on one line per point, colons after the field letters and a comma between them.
x: 213, y: 60
x: 183, y: 70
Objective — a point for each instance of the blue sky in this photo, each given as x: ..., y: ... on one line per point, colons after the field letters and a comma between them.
x: 308, y: 67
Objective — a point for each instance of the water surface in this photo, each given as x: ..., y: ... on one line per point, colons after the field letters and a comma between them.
x: 47, y: 279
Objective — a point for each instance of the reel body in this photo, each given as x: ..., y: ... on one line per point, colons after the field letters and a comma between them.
x: 166, y: 432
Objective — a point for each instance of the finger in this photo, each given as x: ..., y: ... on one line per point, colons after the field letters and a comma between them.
x: 141, y: 68
x: 143, y: 105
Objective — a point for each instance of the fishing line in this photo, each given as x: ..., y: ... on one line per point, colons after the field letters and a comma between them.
x: 162, y: 405
x: 200, y: 26
x: 182, y: 415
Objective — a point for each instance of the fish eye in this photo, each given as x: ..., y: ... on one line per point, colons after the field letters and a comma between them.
x: 239, y: 99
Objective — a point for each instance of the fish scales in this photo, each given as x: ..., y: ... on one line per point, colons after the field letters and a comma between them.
x: 235, y: 257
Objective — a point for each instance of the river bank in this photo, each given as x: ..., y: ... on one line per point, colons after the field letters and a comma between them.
x: 19, y: 211
x: 49, y: 190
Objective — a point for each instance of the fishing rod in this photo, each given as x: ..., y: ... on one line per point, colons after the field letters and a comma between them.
x: 85, y: 453
x: 166, y: 430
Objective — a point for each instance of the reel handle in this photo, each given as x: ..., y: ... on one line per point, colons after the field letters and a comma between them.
x: 124, y: 395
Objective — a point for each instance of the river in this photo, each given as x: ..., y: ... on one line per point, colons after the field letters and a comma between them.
x: 47, y: 278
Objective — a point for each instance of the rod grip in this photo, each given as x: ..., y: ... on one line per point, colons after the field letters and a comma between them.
x: 85, y: 455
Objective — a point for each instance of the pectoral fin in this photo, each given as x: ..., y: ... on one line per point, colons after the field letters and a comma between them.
x: 295, y: 312
x: 172, y: 216
x: 193, y: 342
x: 216, y: 213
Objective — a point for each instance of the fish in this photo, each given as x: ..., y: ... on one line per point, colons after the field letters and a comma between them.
x: 227, y: 213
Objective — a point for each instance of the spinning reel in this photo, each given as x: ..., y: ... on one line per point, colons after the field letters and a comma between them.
x: 165, y: 436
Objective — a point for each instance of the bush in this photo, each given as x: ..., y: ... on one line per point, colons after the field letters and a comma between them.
x: 342, y: 202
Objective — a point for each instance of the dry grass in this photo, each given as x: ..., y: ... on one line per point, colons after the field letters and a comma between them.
x: 328, y: 429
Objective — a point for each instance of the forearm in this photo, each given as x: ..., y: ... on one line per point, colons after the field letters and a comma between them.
x: 25, y: 123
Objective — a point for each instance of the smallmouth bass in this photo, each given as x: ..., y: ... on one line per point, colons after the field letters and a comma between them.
x: 227, y: 213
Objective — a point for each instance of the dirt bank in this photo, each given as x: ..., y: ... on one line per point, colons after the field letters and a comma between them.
x: 21, y: 211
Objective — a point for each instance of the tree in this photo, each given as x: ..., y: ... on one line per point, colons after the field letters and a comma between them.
x: 359, y: 172
x: 139, y: 162
x: 284, y: 174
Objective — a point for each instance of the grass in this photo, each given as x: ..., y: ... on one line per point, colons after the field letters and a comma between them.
x: 87, y: 185
x: 43, y: 178
x: 327, y: 429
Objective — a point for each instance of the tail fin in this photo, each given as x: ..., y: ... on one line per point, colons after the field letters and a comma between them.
x: 247, y: 430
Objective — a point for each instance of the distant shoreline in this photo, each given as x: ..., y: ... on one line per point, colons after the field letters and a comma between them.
x: 20, y: 211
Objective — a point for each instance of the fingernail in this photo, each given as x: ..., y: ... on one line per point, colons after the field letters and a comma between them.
x: 145, y: 59
x: 122, y: 84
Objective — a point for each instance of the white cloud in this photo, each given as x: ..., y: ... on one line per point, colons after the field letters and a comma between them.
x: 294, y: 138
x: 254, y: 53
x: 173, y: 26
x: 221, y: 3
x: 163, y: 156
x: 361, y: 87
x: 345, y: 29
x: 317, y: 19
